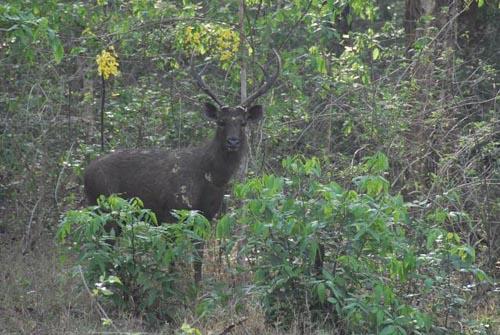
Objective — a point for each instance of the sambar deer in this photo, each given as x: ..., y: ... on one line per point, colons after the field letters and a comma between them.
x: 192, y: 178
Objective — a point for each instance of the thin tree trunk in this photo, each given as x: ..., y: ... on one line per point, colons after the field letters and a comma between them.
x: 243, y: 95
x: 244, y: 51
x: 103, y: 97
x: 88, y: 114
x: 243, y: 85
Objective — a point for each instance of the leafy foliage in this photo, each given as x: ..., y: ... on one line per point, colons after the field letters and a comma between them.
x: 128, y: 258
x: 348, y: 255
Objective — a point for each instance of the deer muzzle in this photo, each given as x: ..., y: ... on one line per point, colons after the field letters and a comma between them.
x: 233, y: 144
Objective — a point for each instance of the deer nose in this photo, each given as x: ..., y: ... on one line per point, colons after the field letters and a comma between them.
x: 233, y: 141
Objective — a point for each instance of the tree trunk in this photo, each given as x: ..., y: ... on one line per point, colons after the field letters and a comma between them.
x: 243, y: 86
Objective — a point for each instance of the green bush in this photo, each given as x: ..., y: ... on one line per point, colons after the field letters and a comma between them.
x: 133, y: 269
x: 349, y: 256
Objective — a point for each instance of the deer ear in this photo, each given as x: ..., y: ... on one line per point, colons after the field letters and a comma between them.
x: 210, y: 111
x: 255, y: 113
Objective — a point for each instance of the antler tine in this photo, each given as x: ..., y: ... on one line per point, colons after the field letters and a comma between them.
x: 202, y: 85
x: 267, y: 82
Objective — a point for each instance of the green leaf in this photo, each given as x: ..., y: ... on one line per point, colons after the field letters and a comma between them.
x: 377, y: 163
x: 321, y: 65
x: 223, y: 229
x: 375, y: 53
x: 434, y: 235
x: 332, y: 300
x: 480, y: 3
x: 57, y: 50
x: 481, y: 275
x: 428, y: 283
x: 56, y: 45
x: 256, y: 207
x: 347, y: 127
x: 106, y: 292
x: 372, y: 185
x: 153, y: 218
x: 379, y: 315
x: 106, y: 322
x: 389, y: 330
x: 201, y: 226
x: 152, y: 298
x: 321, y: 290
x: 114, y: 280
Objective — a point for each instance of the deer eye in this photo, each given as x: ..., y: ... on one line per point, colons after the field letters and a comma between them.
x: 221, y: 123
x: 244, y: 123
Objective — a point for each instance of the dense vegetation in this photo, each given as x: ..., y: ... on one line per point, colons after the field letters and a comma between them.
x: 369, y: 202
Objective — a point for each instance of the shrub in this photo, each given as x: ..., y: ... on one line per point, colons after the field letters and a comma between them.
x: 349, y: 256
x: 133, y: 269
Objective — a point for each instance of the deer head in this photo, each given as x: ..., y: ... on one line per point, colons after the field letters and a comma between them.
x: 231, y: 121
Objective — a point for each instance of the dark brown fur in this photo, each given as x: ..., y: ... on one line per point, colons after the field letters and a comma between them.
x: 192, y: 178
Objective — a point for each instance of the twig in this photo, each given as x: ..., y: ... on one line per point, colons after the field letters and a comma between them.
x: 60, y: 176
x: 229, y: 328
x: 295, y: 26
x: 356, y: 152
x: 28, y: 229
x: 407, y: 167
x: 313, y: 121
x: 99, y: 307
x: 432, y: 41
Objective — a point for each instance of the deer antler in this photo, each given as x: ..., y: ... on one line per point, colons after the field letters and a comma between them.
x: 202, y: 85
x: 266, y: 83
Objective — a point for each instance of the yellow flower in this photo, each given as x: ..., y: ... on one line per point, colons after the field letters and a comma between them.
x: 188, y: 34
x: 226, y: 55
x: 196, y: 38
x: 221, y: 42
x: 107, y: 64
x: 227, y: 44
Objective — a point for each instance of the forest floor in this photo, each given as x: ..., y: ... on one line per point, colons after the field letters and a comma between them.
x: 39, y: 294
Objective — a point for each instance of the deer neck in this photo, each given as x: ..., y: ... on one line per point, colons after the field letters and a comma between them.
x: 220, y: 164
